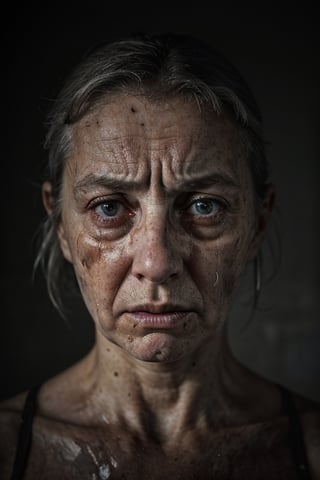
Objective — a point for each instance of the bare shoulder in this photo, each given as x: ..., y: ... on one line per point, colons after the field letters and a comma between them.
x: 10, y: 414
x: 10, y: 420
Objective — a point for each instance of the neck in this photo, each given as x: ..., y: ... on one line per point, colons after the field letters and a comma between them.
x: 172, y: 397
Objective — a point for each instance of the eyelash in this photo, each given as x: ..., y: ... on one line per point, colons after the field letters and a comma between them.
x: 112, y: 221
x: 220, y: 204
x: 119, y: 219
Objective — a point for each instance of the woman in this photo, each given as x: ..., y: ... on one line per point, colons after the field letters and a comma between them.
x: 158, y: 199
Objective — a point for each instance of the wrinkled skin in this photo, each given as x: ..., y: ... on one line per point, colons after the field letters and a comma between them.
x: 157, y: 249
x: 159, y: 219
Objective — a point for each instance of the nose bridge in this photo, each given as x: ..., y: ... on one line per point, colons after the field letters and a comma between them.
x: 155, y: 256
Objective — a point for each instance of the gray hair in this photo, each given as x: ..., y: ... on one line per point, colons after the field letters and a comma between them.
x: 158, y: 66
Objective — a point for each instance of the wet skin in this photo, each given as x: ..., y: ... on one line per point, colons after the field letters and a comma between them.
x: 159, y: 216
x: 159, y: 219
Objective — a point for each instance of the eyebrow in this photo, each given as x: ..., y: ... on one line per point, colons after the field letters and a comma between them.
x: 93, y: 180
x: 222, y: 179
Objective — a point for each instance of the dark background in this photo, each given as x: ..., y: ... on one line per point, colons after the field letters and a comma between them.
x: 277, y: 51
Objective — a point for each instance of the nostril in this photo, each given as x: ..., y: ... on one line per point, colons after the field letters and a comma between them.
x: 155, y: 258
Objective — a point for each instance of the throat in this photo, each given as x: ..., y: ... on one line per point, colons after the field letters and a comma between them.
x: 208, y: 392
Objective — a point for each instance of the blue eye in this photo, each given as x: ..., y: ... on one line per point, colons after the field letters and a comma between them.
x: 109, y: 208
x: 205, y: 207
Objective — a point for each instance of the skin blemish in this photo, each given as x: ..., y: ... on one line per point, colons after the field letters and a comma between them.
x: 115, y: 374
x: 133, y: 110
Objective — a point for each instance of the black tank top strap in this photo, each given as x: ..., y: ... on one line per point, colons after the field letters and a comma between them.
x: 25, y: 433
x: 296, y: 439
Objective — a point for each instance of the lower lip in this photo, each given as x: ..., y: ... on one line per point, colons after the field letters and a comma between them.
x: 158, y: 320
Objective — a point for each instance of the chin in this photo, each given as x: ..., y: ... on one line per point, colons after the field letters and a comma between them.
x: 159, y: 348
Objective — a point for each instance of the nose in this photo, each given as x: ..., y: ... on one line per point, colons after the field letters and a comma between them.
x: 156, y: 255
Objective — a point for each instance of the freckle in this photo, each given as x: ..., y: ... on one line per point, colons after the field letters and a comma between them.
x: 115, y: 374
x: 133, y: 110
x: 108, y: 349
x: 142, y: 124
x: 134, y: 325
x: 129, y: 394
x: 97, y: 122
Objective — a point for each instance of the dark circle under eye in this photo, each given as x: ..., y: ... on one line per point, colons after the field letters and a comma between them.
x: 203, y: 207
x: 109, y: 209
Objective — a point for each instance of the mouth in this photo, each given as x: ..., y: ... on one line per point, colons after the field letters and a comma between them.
x: 163, y: 316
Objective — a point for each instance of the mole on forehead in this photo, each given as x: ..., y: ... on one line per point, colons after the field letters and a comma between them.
x: 112, y: 135
x: 120, y: 111
x: 105, y: 135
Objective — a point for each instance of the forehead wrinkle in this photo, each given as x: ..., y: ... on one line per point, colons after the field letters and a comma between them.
x: 181, y: 154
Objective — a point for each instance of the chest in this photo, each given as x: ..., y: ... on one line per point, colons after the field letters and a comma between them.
x: 232, y: 455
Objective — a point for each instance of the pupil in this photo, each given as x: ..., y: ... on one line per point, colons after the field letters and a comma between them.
x: 109, y: 209
x: 204, y: 207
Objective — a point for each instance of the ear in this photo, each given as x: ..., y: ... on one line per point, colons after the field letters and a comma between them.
x: 48, y: 202
x: 263, y: 214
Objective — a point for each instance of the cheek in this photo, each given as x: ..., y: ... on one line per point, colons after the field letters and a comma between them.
x: 233, y: 258
x: 99, y: 269
x: 219, y: 266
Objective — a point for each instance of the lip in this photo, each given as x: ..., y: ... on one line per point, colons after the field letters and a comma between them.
x: 158, y: 316
x: 159, y: 309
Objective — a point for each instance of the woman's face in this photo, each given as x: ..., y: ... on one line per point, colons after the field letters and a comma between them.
x: 158, y: 219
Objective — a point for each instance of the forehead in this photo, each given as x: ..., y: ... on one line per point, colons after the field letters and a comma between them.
x: 127, y: 135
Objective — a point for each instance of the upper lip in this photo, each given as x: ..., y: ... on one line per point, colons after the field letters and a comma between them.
x: 153, y: 308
